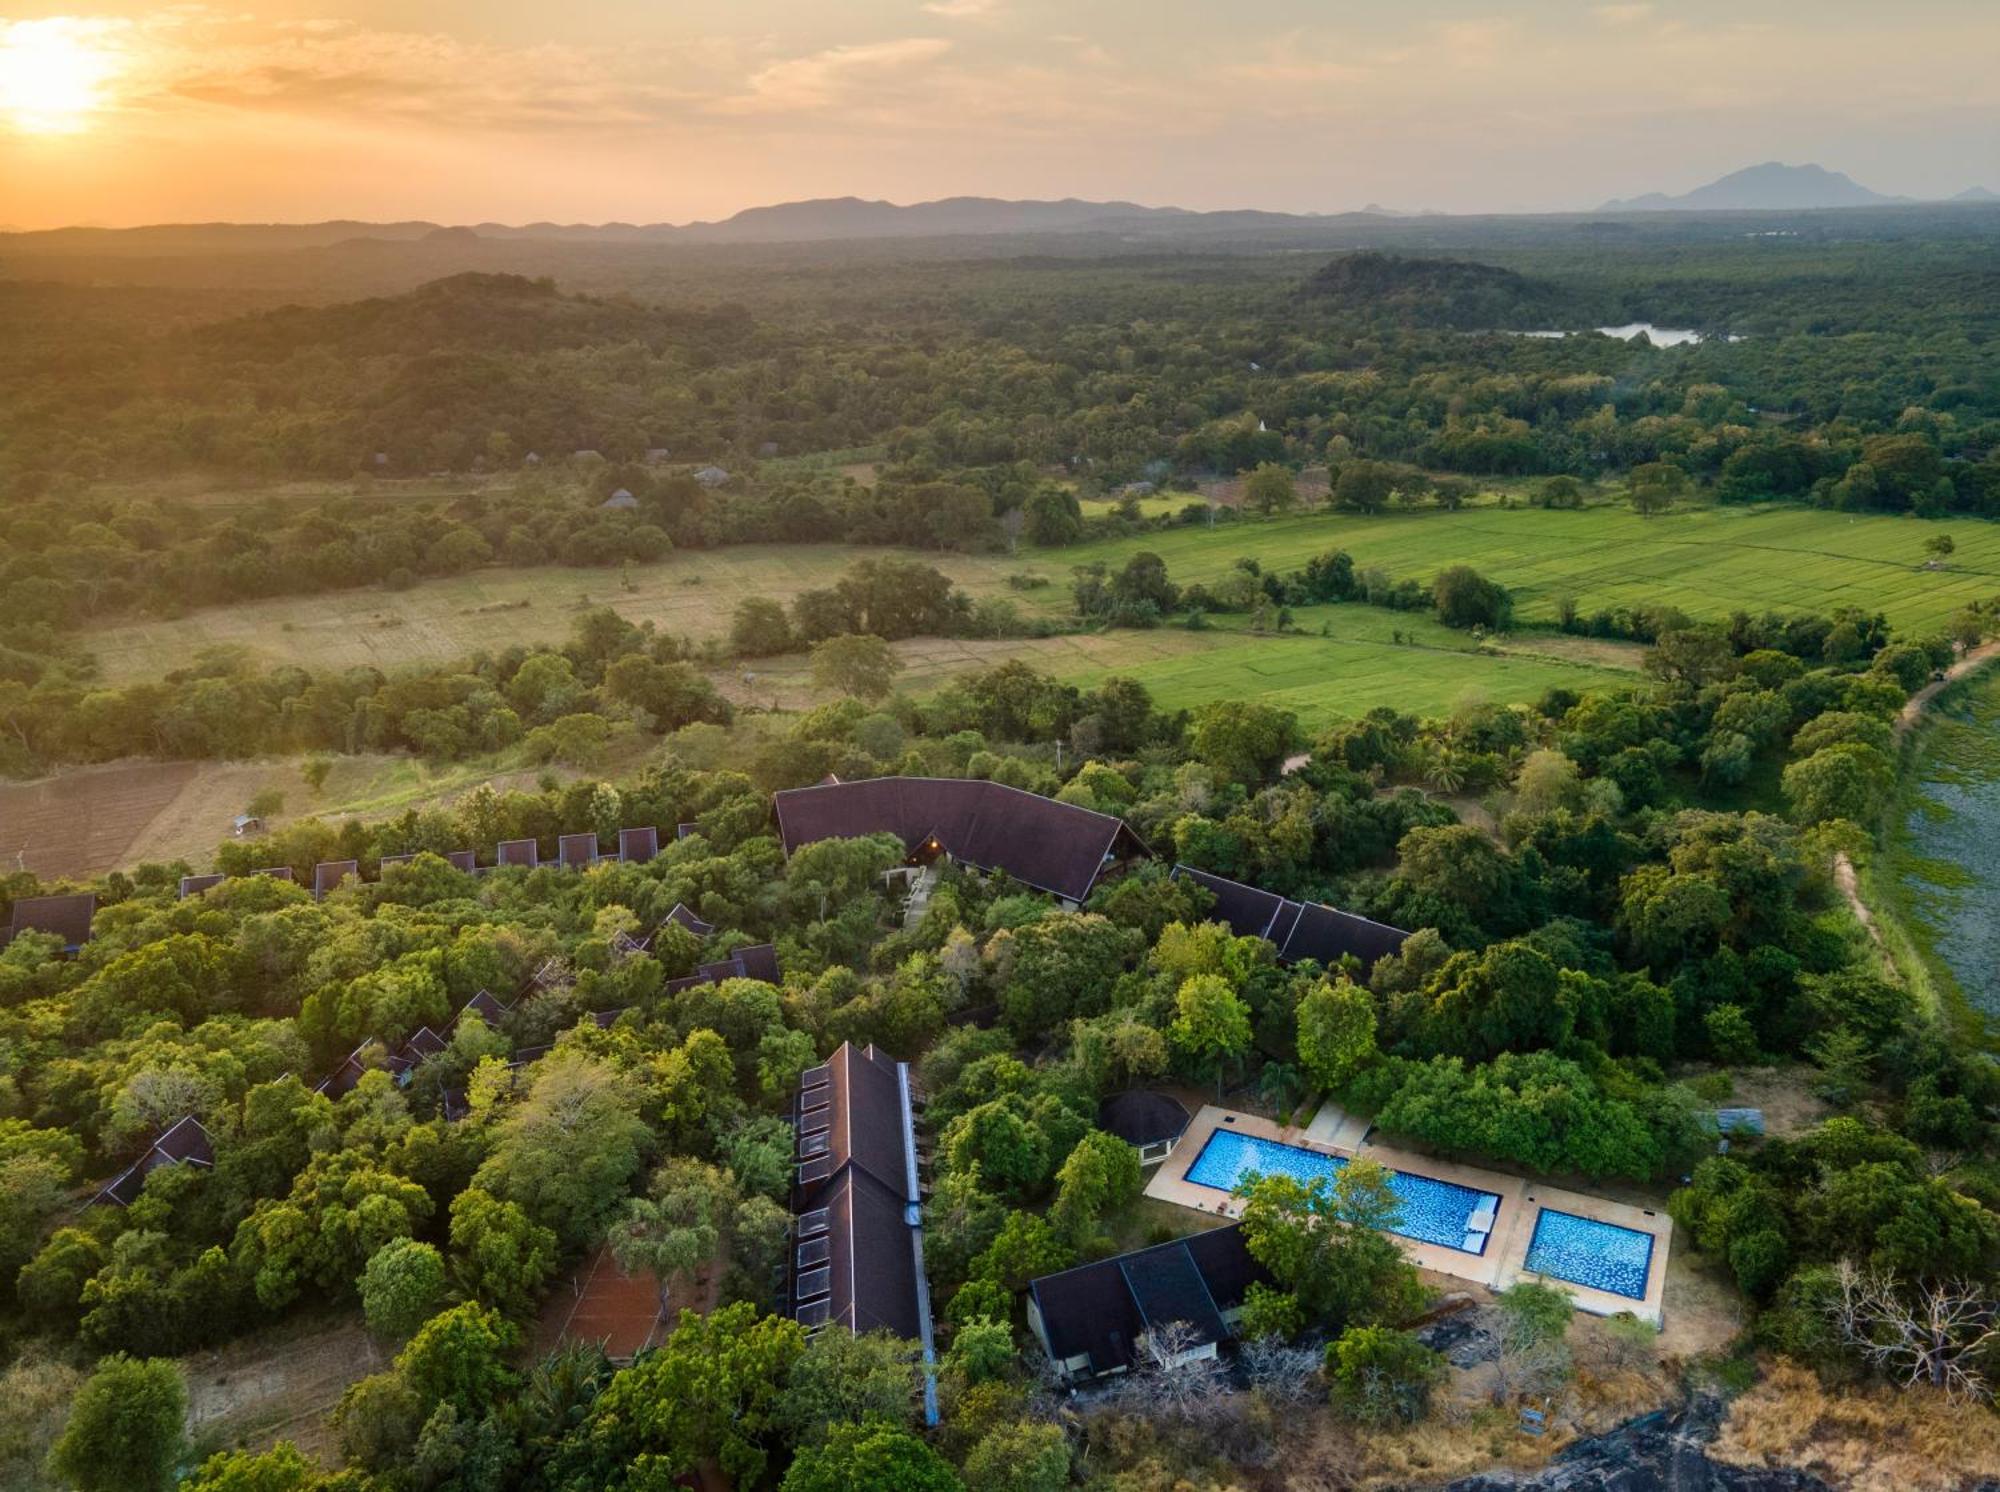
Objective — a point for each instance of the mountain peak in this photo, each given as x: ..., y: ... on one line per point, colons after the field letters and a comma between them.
x: 1772, y: 184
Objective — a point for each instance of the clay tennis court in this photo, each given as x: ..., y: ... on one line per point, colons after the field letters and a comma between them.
x: 602, y: 1303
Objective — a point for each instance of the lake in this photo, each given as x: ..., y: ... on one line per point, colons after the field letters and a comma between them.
x: 1946, y: 844
x: 1659, y: 336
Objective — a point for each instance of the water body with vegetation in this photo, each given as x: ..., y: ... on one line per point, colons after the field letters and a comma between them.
x: 1946, y: 842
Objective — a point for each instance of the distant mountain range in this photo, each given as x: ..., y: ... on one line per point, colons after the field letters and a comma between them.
x: 1774, y: 186
x: 834, y: 219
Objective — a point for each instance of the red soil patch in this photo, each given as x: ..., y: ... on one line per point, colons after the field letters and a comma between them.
x: 79, y: 822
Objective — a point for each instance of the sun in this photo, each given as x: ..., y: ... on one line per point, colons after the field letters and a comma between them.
x: 51, y: 75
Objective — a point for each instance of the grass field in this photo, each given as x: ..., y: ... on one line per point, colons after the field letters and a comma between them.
x: 1708, y: 562
x: 1355, y: 666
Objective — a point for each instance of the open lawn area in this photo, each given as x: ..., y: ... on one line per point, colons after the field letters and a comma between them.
x: 1707, y: 561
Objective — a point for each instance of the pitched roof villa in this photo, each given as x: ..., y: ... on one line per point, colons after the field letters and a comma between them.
x: 1090, y: 1319
x: 1053, y: 847
x: 1300, y: 929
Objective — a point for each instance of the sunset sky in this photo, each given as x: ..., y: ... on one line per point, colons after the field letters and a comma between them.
x: 670, y: 110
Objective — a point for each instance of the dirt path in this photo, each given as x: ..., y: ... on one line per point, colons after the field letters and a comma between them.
x: 1914, y: 707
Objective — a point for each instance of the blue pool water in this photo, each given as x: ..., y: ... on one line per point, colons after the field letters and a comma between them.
x: 1583, y: 1251
x: 1433, y: 1211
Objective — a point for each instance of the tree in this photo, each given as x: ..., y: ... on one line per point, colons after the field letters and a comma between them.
x: 566, y: 1152
x: 760, y: 628
x: 855, y: 664
x: 1100, y: 1174
x: 401, y: 1287
x: 124, y: 1430
x: 873, y: 1457
x: 677, y: 1229
x: 1465, y: 598
x: 1534, y: 1358
x: 1938, y: 1333
x: 499, y: 1254
x: 1211, y: 1025
x: 459, y: 1357
x: 280, y: 1469
x: 1270, y: 489
x: 1324, y: 1243
x: 1336, y: 1022
x: 1940, y: 548
x: 1654, y: 486
x: 1382, y: 1376
x: 1364, y: 486
x: 1028, y: 1456
x: 710, y: 1391
x: 1243, y: 740
x: 1848, y: 781
x: 846, y: 1379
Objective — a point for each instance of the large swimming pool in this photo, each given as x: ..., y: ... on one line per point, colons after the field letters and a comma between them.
x: 1584, y: 1251
x: 1433, y: 1211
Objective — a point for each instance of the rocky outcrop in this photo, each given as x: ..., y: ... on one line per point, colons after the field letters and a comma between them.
x: 1663, y: 1452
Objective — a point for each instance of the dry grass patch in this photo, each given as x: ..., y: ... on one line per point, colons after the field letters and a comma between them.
x: 1869, y: 1440
x: 37, y: 1391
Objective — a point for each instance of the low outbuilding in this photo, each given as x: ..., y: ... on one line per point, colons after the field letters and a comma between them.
x: 1151, y: 1122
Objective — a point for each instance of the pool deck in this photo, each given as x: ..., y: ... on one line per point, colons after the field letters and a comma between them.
x: 1521, y: 1201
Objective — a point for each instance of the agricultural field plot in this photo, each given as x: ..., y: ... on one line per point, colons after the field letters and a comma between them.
x: 1709, y: 562
x: 691, y: 594
x: 88, y: 819
x: 1321, y: 678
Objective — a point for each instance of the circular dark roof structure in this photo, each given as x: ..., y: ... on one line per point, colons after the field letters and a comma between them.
x: 1142, y: 1117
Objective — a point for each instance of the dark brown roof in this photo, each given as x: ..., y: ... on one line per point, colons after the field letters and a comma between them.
x: 637, y: 846
x: 680, y: 916
x: 871, y: 1270
x: 517, y: 852
x: 1143, y: 1117
x: 489, y: 1006
x: 68, y: 917
x: 195, y: 885
x: 277, y: 872
x: 577, y: 850
x: 857, y: 1243
x: 757, y: 961
x: 330, y: 873
x: 465, y: 860
x: 1054, y: 847
x: 1100, y: 1310
x: 1300, y: 929
x: 184, y: 1142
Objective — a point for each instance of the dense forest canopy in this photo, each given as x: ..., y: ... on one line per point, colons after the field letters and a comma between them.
x: 428, y: 1099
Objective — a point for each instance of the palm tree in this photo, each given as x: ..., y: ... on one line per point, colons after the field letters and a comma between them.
x: 1279, y: 1084
x: 1443, y: 770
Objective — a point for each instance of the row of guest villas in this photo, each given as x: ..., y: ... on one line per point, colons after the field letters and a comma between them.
x: 857, y: 1259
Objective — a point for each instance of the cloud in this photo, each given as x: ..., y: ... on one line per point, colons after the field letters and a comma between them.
x: 1622, y: 15
x: 962, y: 10
x: 821, y: 79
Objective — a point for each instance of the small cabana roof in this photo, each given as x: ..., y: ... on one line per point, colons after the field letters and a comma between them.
x: 1143, y: 1117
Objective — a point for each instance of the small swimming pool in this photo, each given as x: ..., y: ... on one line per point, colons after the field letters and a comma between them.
x: 1584, y: 1251
x: 1433, y: 1211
